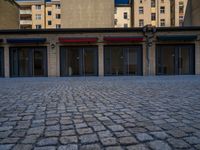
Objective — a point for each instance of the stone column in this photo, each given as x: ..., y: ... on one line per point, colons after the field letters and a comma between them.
x: 197, y: 57
x: 52, y: 60
x: 101, y: 59
x: 152, y: 59
x: 6, y: 61
x: 144, y: 59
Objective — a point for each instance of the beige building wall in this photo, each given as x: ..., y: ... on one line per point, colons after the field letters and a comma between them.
x: 192, y: 17
x: 148, y: 10
x: 9, y: 15
x: 87, y: 13
x: 120, y: 20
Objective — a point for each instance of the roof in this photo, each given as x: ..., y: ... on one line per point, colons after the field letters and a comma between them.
x: 94, y: 30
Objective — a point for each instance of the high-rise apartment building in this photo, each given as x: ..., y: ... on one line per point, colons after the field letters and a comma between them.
x: 154, y: 12
x: 122, y: 14
x: 37, y: 14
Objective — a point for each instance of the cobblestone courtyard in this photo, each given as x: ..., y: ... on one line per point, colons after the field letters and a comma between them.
x: 112, y: 113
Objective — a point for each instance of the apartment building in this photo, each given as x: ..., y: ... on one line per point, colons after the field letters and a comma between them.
x: 122, y: 14
x: 9, y: 15
x: 37, y: 14
x: 178, y: 10
x: 154, y: 12
x: 192, y: 17
x: 87, y: 13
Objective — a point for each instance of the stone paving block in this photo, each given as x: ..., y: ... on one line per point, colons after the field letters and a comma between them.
x: 45, y: 148
x: 84, y: 131
x: 138, y: 147
x: 160, y: 135
x: 68, y: 147
x: 159, y: 145
x: 68, y: 139
x: 144, y: 137
x: 90, y: 147
x: 30, y: 139
x: 22, y: 147
x: 114, y: 148
x: 6, y: 146
x: 108, y: 141
x: 48, y: 141
x: 88, y: 138
x: 116, y: 128
x: 127, y: 140
x: 178, y: 143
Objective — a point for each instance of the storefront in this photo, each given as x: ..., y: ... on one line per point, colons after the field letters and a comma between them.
x: 175, y: 60
x: 28, y: 61
x: 79, y: 61
x: 1, y: 62
x: 123, y: 60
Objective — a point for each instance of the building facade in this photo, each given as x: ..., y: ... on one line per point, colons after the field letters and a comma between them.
x: 87, y: 13
x: 154, y: 12
x: 9, y: 15
x: 100, y: 52
x: 192, y: 17
x: 38, y: 14
x: 122, y: 15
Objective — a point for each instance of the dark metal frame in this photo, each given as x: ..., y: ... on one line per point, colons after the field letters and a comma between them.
x: 30, y: 63
x: 176, y: 49
x: 63, y: 60
x: 2, y: 61
x: 125, y: 49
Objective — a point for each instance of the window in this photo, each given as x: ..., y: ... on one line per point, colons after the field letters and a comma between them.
x: 153, y: 16
x: 125, y: 25
x: 49, y: 13
x: 162, y: 9
x: 162, y: 22
x: 153, y: 3
x: 140, y: 1
x: 58, y: 26
x: 38, y: 16
x: 49, y: 22
x: 141, y: 23
x: 38, y: 7
x: 58, y: 16
x: 162, y: 1
x: 141, y: 10
x: 115, y: 21
x: 57, y: 6
x: 125, y: 15
x: 115, y: 10
x: 38, y: 26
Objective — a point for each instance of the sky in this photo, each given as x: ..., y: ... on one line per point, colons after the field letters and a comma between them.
x: 121, y: 1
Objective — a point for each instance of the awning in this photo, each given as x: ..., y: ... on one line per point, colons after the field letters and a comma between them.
x: 77, y: 40
x: 177, y: 38
x: 123, y: 39
x: 27, y: 40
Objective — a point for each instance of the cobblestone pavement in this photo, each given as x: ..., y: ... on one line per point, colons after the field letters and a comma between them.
x: 112, y: 113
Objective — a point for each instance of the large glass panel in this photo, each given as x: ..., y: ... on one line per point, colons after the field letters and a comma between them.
x: 117, y: 61
x: 89, y: 64
x: 166, y: 60
x: 24, y: 60
x: 1, y: 62
x: 73, y: 61
x: 132, y: 62
x: 38, y: 65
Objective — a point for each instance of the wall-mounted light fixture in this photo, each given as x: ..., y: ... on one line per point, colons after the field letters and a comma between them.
x: 53, y: 46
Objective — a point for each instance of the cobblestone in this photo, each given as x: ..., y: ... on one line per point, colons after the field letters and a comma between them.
x: 111, y: 113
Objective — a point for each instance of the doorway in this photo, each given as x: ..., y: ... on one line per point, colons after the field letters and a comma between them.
x: 28, y: 62
x: 175, y: 60
x: 79, y: 61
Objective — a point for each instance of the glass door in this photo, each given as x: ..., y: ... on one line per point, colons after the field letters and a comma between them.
x: 175, y: 60
x: 1, y: 63
x: 39, y: 62
x: 24, y: 62
x: 78, y: 61
x: 123, y: 60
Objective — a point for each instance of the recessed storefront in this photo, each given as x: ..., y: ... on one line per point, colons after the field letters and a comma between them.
x: 1, y: 62
x: 79, y: 61
x: 28, y: 61
x: 123, y: 60
x: 175, y: 60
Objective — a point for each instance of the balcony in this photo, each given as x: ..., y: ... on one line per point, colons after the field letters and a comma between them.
x: 25, y: 12
x: 26, y: 22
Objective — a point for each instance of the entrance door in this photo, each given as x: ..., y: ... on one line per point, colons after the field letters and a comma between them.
x: 28, y: 62
x: 123, y: 60
x: 175, y: 60
x: 1, y: 63
x: 78, y: 61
